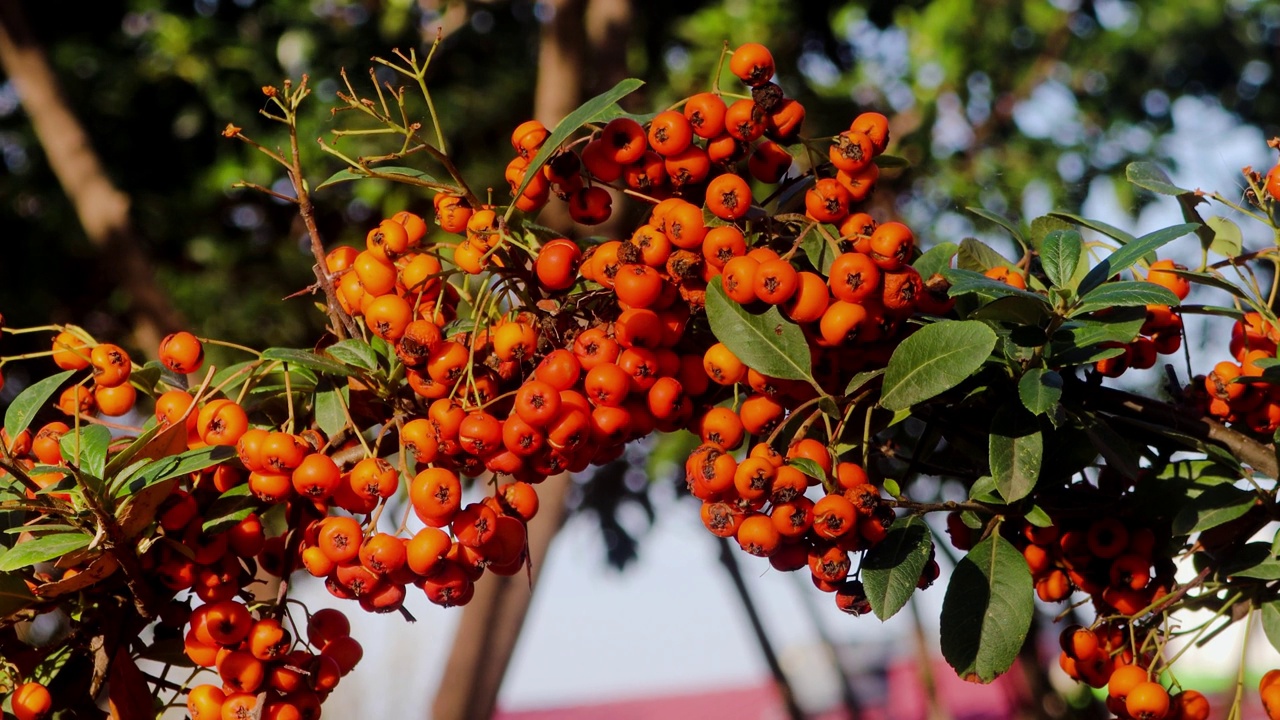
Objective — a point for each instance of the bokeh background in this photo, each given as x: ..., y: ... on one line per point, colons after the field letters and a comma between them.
x: 117, y: 212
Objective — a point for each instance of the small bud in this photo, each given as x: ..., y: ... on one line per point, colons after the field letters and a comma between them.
x: 230, y: 131
x: 269, y: 90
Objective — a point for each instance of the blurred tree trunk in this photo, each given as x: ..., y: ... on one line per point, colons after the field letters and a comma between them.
x: 490, y: 625
x: 582, y: 51
x: 103, y: 210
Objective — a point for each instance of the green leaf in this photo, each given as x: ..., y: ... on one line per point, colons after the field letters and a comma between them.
x: 1038, y: 517
x: 1271, y: 622
x: 1215, y: 506
x: 768, y: 343
x: 48, y: 669
x: 354, y: 352
x: 1210, y: 280
x: 892, y: 568
x: 123, y: 457
x: 329, y: 402
x: 14, y: 594
x: 933, y: 360
x: 42, y: 549
x: 1040, y: 390
x: 1124, y: 293
x: 178, y: 465
x: 978, y: 256
x: 348, y: 174
x: 1005, y: 223
x: 230, y: 508
x: 1015, y: 447
x: 1077, y: 342
x: 808, y: 467
x: 1149, y: 176
x: 146, y: 377
x: 307, y: 359
x: 1042, y: 226
x: 984, y: 490
x: 936, y: 259
x: 588, y: 112
x: 862, y: 379
x: 1126, y: 256
x: 819, y: 251
x: 30, y: 401
x: 237, y: 370
x: 1015, y: 309
x: 1060, y: 255
x: 1227, y: 238
x: 93, y: 442
x: 1110, y: 231
x: 987, y: 610
x: 891, y: 162
x: 964, y: 282
x: 1255, y: 561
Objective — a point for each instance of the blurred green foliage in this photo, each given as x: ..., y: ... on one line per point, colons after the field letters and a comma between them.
x: 154, y: 82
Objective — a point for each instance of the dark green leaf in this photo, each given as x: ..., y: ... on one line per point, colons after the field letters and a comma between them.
x: 892, y: 568
x: 1149, y: 176
x: 230, y: 508
x: 1215, y: 506
x: 1040, y: 390
x: 1060, y: 255
x: 14, y: 594
x: 1005, y: 223
x: 1110, y: 231
x: 588, y: 112
x: 30, y: 401
x: 987, y: 610
x: 146, y: 377
x: 1119, y: 453
x: 348, y: 174
x: 1125, y: 293
x: 329, y: 403
x: 1271, y: 622
x: 1255, y: 560
x: 1076, y: 342
x: 307, y: 359
x: 48, y: 669
x: 42, y: 549
x: 1227, y: 239
x: 1016, y: 448
x: 964, y: 282
x: 1126, y: 256
x: 768, y: 343
x: 1016, y: 310
x: 178, y: 465
x: 936, y: 259
x: 92, y: 441
x: 891, y: 162
x: 933, y: 360
x: 354, y: 352
x: 819, y: 251
x: 1210, y: 280
x: 978, y: 256
x: 861, y: 379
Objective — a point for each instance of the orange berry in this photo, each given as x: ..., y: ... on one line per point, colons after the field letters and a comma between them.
x: 752, y: 63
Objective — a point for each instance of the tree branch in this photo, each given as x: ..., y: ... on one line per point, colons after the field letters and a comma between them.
x: 1259, y: 456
